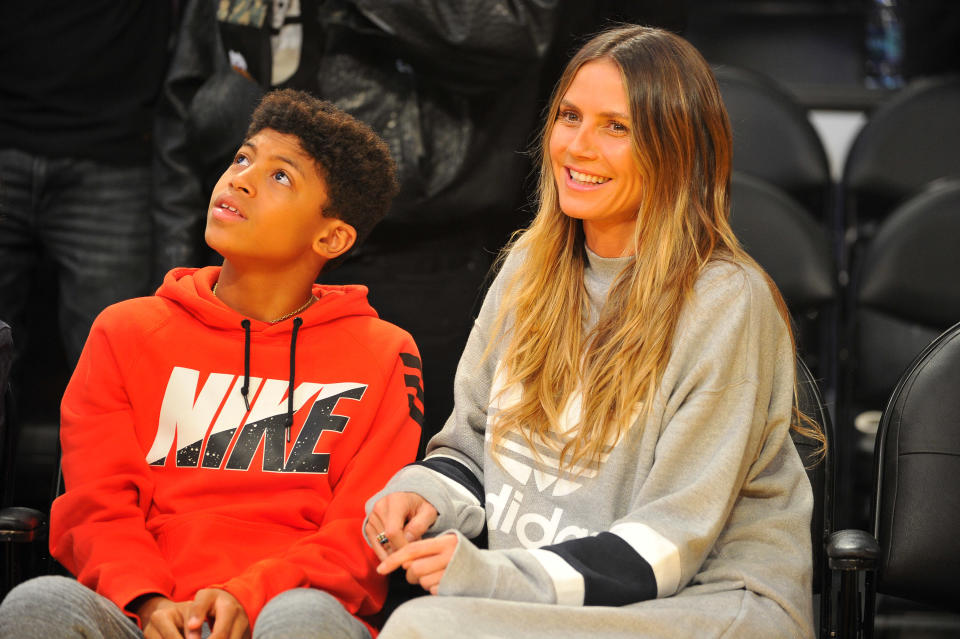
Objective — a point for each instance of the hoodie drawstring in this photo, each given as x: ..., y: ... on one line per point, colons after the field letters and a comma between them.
x: 293, y: 369
x: 245, y: 389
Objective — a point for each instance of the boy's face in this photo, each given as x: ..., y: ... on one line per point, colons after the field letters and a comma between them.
x: 268, y: 204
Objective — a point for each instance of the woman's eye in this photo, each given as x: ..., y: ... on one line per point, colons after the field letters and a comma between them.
x: 618, y: 127
x: 568, y: 116
x: 282, y: 178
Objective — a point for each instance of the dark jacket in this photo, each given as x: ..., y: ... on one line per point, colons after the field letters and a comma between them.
x: 453, y: 86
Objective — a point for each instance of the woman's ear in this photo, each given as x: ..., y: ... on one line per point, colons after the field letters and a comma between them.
x: 335, y: 239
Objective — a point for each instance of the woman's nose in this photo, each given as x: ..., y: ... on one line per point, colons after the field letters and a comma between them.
x: 582, y: 144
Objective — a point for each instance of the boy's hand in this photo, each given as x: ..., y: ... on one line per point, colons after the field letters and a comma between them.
x: 425, y: 561
x: 402, y: 517
x: 162, y: 618
x: 230, y: 620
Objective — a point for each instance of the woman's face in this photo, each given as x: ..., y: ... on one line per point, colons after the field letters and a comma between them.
x: 594, y: 165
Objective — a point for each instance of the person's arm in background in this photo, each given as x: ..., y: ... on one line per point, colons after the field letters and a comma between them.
x: 472, y: 43
x: 201, y: 116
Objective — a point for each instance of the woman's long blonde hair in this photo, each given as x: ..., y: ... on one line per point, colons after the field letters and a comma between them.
x: 682, y: 141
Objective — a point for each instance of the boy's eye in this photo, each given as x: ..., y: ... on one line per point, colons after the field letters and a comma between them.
x: 282, y: 178
x: 241, y: 159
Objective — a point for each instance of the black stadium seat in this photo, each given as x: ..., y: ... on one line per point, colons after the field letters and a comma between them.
x: 905, y: 293
x: 794, y: 249
x: 821, y: 466
x: 774, y: 140
x: 909, y: 141
x: 913, y: 552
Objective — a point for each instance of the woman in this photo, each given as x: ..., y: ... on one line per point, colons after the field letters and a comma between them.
x: 623, y: 406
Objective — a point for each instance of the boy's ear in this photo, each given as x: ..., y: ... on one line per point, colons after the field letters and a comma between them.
x: 336, y: 239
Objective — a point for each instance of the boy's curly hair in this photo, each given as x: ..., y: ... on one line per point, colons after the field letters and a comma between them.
x: 354, y: 161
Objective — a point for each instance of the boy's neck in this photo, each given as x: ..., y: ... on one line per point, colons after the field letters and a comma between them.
x: 265, y: 295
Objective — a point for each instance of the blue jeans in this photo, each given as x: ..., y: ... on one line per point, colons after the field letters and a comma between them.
x: 92, y: 220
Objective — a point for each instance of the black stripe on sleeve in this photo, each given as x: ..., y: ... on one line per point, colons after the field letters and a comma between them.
x: 413, y: 382
x: 457, y: 472
x: 613, y: 573
x: 411, y: 360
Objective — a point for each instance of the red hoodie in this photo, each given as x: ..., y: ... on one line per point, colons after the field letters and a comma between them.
x: 173, y: 485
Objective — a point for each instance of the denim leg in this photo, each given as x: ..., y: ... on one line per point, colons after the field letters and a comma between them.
x: 95, y: 221
x: 19, y: 239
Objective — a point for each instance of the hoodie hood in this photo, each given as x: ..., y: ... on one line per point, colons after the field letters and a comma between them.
x: 192, y: 289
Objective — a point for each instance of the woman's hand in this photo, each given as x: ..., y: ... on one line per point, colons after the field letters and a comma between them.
x: 230, y: 620
x: 402, y: 517
x: 425, y: 561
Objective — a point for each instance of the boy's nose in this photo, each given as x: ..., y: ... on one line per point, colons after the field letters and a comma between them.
x: 242, y: 181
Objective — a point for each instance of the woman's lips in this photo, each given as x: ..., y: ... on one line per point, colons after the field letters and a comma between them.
x: 582, y: 181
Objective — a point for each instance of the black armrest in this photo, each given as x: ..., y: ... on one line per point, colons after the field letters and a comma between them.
x: 21, y: 525
x: 852, y: 550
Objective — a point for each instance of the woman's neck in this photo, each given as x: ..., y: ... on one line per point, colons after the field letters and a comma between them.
x: 612, y: 240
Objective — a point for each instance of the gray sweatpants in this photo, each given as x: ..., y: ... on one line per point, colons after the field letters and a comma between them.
x: 735, y: 614
x: 61, y: 607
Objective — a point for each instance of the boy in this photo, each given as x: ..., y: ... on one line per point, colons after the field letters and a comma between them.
x: 221, y: 438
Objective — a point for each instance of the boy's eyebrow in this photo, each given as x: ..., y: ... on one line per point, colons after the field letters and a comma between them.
x: 282, y: 158
x: 604, y: 114
x: 292, y: 163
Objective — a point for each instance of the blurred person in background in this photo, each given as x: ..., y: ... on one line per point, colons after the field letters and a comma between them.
x: 78, y: 85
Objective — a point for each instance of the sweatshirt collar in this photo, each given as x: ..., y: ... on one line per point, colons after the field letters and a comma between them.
x: 606, y: 269
x: 192, y: 290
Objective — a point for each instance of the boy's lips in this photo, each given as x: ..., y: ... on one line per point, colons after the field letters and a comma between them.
x: 226, y: 207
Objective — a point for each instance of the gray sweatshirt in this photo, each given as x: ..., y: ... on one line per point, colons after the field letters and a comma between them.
x: 708, y: 495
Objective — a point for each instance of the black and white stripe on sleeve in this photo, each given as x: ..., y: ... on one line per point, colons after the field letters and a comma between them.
x: 630, y: 563
x: 457, y: 475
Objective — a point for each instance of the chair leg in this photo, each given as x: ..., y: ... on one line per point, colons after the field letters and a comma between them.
x: 869, y: 605
x: 849, y: 614
x: 826, y: 590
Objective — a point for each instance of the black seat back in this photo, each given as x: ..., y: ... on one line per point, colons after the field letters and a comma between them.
x: 785, y: 239
x: 906, y: 143
x: 820, y: 464
x: 917, y: 511
x: 906, y: 291
x: 794, y: 250
x: 773, y: 139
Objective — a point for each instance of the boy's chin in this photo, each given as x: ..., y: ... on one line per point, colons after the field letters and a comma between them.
x: 211, y: 238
